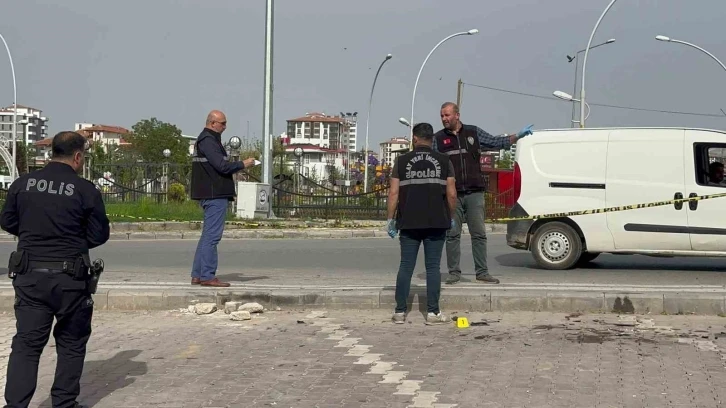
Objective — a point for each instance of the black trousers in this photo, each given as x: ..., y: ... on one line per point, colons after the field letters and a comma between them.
x: 39, y: 297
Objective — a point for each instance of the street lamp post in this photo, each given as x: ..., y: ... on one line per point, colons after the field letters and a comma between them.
x: 13, y: 169
x: 577, y: 59
x: 88, y: 162
x: 415, y: 85
x: 568, y: 97
x: 668, y: 39
x: 165, y: 173
x: 584, y: 64
x: 368, y: 117
x: 267, y: 144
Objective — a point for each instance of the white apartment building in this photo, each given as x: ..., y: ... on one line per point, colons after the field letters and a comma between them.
x: 107, y: 136
x: 32, y: 126
x: 319, y: 129
x: 315, y: 160
x: 192, y: 140
x: 351, y: 120
x: 390, y: 149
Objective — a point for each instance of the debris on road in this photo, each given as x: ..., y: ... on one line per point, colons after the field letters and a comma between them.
x: 204, y: 308
x: 317, y: 314
x: 252, y: 307
x: 230, y: 307
x: 240, y: 315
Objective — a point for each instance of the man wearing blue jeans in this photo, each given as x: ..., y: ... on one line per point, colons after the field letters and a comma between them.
x: 422, y: 196
x: 213, y: 186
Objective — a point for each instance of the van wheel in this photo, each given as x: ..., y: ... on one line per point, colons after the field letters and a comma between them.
x: 556, y: 245
x: 587, y: 257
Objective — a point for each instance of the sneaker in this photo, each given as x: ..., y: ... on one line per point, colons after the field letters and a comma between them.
x: 487, y: 279
x: 399, y: 318
x: 453, y: 278
x: 436, y: 318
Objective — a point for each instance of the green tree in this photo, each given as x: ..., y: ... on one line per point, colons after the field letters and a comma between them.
x: 151, y: 136
x: 21, y: 157
x: 505, y: 161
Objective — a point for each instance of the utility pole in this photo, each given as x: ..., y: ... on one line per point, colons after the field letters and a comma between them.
x: 459, y: 92
x: 267, y: 143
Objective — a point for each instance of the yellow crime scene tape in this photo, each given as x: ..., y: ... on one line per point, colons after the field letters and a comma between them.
x: 609, y: 209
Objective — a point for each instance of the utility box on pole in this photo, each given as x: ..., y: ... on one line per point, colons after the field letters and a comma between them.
x: 253, y: 200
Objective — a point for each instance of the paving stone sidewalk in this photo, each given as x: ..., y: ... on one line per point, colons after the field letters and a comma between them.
x: 360, y: 359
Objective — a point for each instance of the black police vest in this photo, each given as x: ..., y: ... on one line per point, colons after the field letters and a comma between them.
x: 464, y: 151
x: 208, y: 183
x: 422, y: 201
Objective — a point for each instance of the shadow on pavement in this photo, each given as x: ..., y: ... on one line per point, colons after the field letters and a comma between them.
x: 238, y: 277
x: 607, y: 262
x: 115, y: 373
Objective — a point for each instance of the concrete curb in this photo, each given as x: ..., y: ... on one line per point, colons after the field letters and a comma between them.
x: 334, y: 233
x: 307, y: 233
x: 702, y: 300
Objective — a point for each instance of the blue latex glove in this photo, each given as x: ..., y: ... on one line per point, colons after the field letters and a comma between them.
x: 391, y: 227
x: 453, y: 223
x: 525, y: 131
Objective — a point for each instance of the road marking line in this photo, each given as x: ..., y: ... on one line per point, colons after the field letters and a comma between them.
x: 419, y: 399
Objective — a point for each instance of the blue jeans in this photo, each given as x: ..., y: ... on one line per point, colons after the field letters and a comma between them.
x: 205, y: 259
x: 433, y: 244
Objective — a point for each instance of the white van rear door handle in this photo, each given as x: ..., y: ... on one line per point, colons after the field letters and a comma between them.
x: 678, y: 205
x: 693, y: 205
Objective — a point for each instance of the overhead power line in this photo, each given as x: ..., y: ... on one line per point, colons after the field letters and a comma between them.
x: 552, y: 98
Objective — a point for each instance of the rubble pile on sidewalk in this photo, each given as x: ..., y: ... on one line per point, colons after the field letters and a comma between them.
x: 235, y: 311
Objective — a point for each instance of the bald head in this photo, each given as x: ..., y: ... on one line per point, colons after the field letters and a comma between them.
x: 216, y: 121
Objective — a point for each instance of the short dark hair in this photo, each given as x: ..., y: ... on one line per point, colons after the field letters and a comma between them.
x: 713, y: 166
x: 66, y: 144
x: 452, y: 104
x: 423, y: 131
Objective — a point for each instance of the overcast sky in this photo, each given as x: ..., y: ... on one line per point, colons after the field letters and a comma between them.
x: 117, y: 62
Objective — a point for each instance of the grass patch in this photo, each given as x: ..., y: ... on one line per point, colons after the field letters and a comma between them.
x: 149, y: 210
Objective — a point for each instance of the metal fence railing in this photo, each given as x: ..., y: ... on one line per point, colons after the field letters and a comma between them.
x: 293, y: 196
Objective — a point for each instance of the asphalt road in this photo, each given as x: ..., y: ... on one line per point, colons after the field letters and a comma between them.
x: 374, y: 261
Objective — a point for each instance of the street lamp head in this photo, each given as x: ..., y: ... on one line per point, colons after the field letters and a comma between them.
x: 472, y: 31
x: 389, y: 56
x: 562, y: 95
x: 662, y: 38
x: 166, y: 153
x: 235, y: 142
x: 404, y: 122
x: 610, y: 41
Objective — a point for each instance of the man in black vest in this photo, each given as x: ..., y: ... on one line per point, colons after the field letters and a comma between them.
x: 213, y: 186
x: 423, y: 191
x: 462, y: 144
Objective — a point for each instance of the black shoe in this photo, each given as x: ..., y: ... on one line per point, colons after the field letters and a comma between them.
x: 453, y: 278
x: 487, y: 279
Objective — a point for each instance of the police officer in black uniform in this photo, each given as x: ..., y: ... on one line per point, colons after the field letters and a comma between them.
x: 57, y: 217
x: 423, y: 190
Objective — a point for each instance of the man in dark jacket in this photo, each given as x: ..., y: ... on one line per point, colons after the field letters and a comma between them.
x: 213, y: 186
x: 462, y: 144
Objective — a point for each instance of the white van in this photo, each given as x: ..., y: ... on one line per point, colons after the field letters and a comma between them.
x: 582, y: 169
